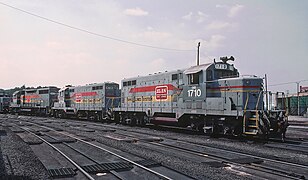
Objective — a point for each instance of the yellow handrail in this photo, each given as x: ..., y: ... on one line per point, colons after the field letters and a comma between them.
x: 258, y: 100
x: 257, y: 112
x: 246, y: 103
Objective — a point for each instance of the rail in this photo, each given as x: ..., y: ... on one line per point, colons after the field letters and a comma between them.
x: 64, y: 155
x: 106, y: 150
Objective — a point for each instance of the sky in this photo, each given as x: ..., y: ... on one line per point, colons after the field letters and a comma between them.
x: 80, y: 42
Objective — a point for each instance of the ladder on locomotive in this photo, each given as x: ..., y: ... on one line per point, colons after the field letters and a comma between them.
x: 251, y: 118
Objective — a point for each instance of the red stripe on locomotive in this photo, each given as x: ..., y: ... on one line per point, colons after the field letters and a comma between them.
x: 150, y: 88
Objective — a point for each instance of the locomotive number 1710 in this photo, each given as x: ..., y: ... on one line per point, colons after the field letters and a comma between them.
x: 194, y: 92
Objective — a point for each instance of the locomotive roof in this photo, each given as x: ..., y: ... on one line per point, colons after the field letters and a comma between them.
x: 154, y: 74
x: 190, y: 70
x: 243, y: 77
x: 87, y: 85
x: 195, y: 69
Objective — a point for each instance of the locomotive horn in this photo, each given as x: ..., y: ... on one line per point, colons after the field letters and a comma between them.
x: 225, y: 59
x: 231, y: 58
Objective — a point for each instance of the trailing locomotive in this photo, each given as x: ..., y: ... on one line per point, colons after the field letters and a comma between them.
x: 4, y: 102
x: 34, y: 101
x: 93, y: 101
x: 212, y: 98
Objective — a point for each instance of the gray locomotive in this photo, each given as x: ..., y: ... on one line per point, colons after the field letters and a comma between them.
x: 34, y: 101
x: 93, y: 101
x: 212, y: 98
x: 4, y: 102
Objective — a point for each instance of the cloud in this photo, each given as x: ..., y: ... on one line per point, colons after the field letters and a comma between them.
x: 136, y: 12
x: 208, y: 45
x: 220, y: 6
x: 199, y: 17
x: 218, y: 25
x: 215, y: 42
x: 158, y: 64
x: 234, y: 10
x: 153, y: 36
x: 188, y: 16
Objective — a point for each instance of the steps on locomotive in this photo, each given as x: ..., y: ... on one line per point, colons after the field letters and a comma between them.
x: 250, y: 124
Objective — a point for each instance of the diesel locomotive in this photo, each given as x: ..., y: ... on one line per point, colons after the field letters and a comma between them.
x: 93, y: 101
x: 4, y: 102
x: 212, y: 98
x: 34, y: 101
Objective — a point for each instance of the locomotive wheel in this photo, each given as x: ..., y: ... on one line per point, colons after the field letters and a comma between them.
x: 57, y: 114
x: 98, y: 117
x: 117, y: 118
x: 60, y: 115
x: 133, y: 122
x: 200, y: 128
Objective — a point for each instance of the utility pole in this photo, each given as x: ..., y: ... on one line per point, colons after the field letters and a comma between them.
x: 266, y: 94
x: 198, y: 60
x: 298, y: 111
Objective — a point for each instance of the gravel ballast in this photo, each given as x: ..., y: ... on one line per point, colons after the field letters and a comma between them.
x: 190, y: 167
x: 17, y: 160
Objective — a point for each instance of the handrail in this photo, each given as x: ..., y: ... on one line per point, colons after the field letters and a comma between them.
x: 245, y: 107
x: 258, y: 100
x: 257, y: 112
x: 246, y: 103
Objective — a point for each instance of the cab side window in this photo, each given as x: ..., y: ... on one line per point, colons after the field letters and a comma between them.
x: 193, y: 78
x: 209, y: 75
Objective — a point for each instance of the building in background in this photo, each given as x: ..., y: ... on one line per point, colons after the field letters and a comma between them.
x: 296, y: 104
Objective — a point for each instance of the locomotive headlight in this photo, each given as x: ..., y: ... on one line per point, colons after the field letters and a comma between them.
x: 247, y: 82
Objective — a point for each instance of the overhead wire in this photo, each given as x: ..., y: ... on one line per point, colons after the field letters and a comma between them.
x: 115, y: 39
x: 279, y: 84
x: 92, y: 33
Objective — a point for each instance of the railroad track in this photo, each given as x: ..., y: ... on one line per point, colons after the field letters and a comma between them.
x: 252, y: 161
x: 85, y: 169
x: 292, y: 145
x: 284, y: 169
x: 264, y: 165
x: 82, y: 170
x: 289, y: 144
x: 254, y: 165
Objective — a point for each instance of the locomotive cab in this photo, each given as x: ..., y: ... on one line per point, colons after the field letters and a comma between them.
x: 217, y: 100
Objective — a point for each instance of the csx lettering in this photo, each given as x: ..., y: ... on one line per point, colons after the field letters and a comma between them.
x: 194, y: 92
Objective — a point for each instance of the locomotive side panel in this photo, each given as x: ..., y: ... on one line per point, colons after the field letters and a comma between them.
x: 234, y: 93
x: 34, y: 101
x: 91, y: 101
x: 84, y: 98
x: 151, y: 96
